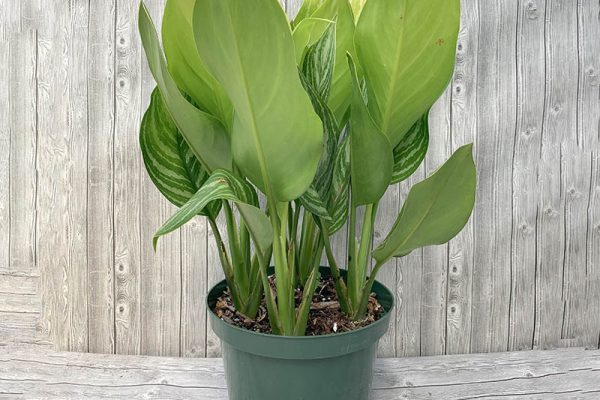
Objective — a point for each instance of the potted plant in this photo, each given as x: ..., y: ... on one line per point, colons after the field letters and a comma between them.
x: 320, y: 115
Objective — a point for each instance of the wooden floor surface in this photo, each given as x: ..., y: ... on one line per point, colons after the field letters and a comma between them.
x: 555, y: 374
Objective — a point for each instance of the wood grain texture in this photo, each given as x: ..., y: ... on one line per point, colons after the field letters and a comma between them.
x: 496, y: 112
x: 77, y: 210
x: 160, y: 270
x: 128, y: 181
x: 463, y: 130
x: 525, y: 187
x: 558, y: 374
x: 62, y: 172
x: 100, y: 196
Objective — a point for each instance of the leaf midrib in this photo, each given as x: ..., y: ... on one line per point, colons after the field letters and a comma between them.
x: 257, y: 141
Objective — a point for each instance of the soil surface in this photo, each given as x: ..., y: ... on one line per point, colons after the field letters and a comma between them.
x: 325, y: 316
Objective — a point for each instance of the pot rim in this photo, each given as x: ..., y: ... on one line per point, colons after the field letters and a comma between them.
x: 321, y: 346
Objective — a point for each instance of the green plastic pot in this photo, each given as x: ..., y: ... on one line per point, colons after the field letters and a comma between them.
x: 270, y: 367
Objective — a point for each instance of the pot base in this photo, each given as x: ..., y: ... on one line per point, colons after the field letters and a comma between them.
x: 329, y: 367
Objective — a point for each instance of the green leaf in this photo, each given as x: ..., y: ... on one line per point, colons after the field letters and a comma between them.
x: 307, y: 33
x: 371, y: 156
x: 357, y: 6
x: 317, y: 67
x: 185, y: 64
x: 340, y: 193
x: 277, y: 138
x: 341, y: 88
x: 307, y: 9
x: 223, y: 185
x: 411, y: 150
x: 316, y: 79
x: 435, y: 210
x: 204, y: 134
x: 170, y: 163
x: 409, y: 67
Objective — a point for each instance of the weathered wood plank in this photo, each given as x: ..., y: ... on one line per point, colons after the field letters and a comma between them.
x: 160, y: 270
x: 100, y: 244
x: 525, y: 187
x: 464, y: 130
x: 533, y: 374
x: 388, y: 210
x: 5, y: 13
x: 408, y: 289
x: 62, y: 172
x: 214, y: 274
x: 592, y: 286
x: 576, y: 164
x: 127, y: 181
x: 194, y: 288
x: 560, y: 117
x: 588, y: 129
x: 496, y: 118
x: 435, y: 258
x: 23, y: 138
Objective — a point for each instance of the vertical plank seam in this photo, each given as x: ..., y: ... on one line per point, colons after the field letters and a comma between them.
x: 10, y: 134
x: 474, y: 216
x: 579, y: 137
x: 512, y: 197
x: 565, y: 272
x: 87, y: 166
x: 180, y: 291
x: 535, y: 280
x: 537, y: 214
x: 36, y: 119
x: 140, y: 209
x: 450, y: 141
x: 206, y: 316
x: 114, y: 132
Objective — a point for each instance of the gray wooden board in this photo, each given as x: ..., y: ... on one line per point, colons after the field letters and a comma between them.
x: 558, y: 374
x: 77, y: 210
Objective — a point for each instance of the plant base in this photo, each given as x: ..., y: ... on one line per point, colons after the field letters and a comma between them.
x: 270, y: 367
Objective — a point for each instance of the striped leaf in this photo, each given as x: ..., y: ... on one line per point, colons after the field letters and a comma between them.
x: 223, y: 185
x: 308, y: 33
x: 319, y: 62
x: 171, y: 165
x: 316, y: 75
x: 206, y: 136
x: 411, y: 150
x: 340, y: 186
x: 307, y: 24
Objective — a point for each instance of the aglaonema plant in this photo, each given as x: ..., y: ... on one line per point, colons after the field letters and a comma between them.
x: 320, y: 115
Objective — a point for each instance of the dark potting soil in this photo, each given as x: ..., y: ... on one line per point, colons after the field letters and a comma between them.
x: 325, y: 316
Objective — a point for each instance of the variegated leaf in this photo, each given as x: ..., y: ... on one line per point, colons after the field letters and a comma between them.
x: 171, y: 165
x: 411, y: 150
x: 316, y: 80
x: 223, y: 185
x: 319, y: 63
x: 340, y: 186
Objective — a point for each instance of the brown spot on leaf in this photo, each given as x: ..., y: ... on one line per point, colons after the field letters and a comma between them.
x: 440, y: 41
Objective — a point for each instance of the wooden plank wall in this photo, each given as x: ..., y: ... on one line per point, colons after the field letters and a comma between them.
x: 77, y: 210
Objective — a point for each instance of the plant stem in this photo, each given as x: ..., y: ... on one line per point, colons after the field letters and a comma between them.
x: 285, y: 300
x: 351, y: 254
x: 340, y: 285
x: 366, y: 292
x: 236, y: 254
x: 226, y: 265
